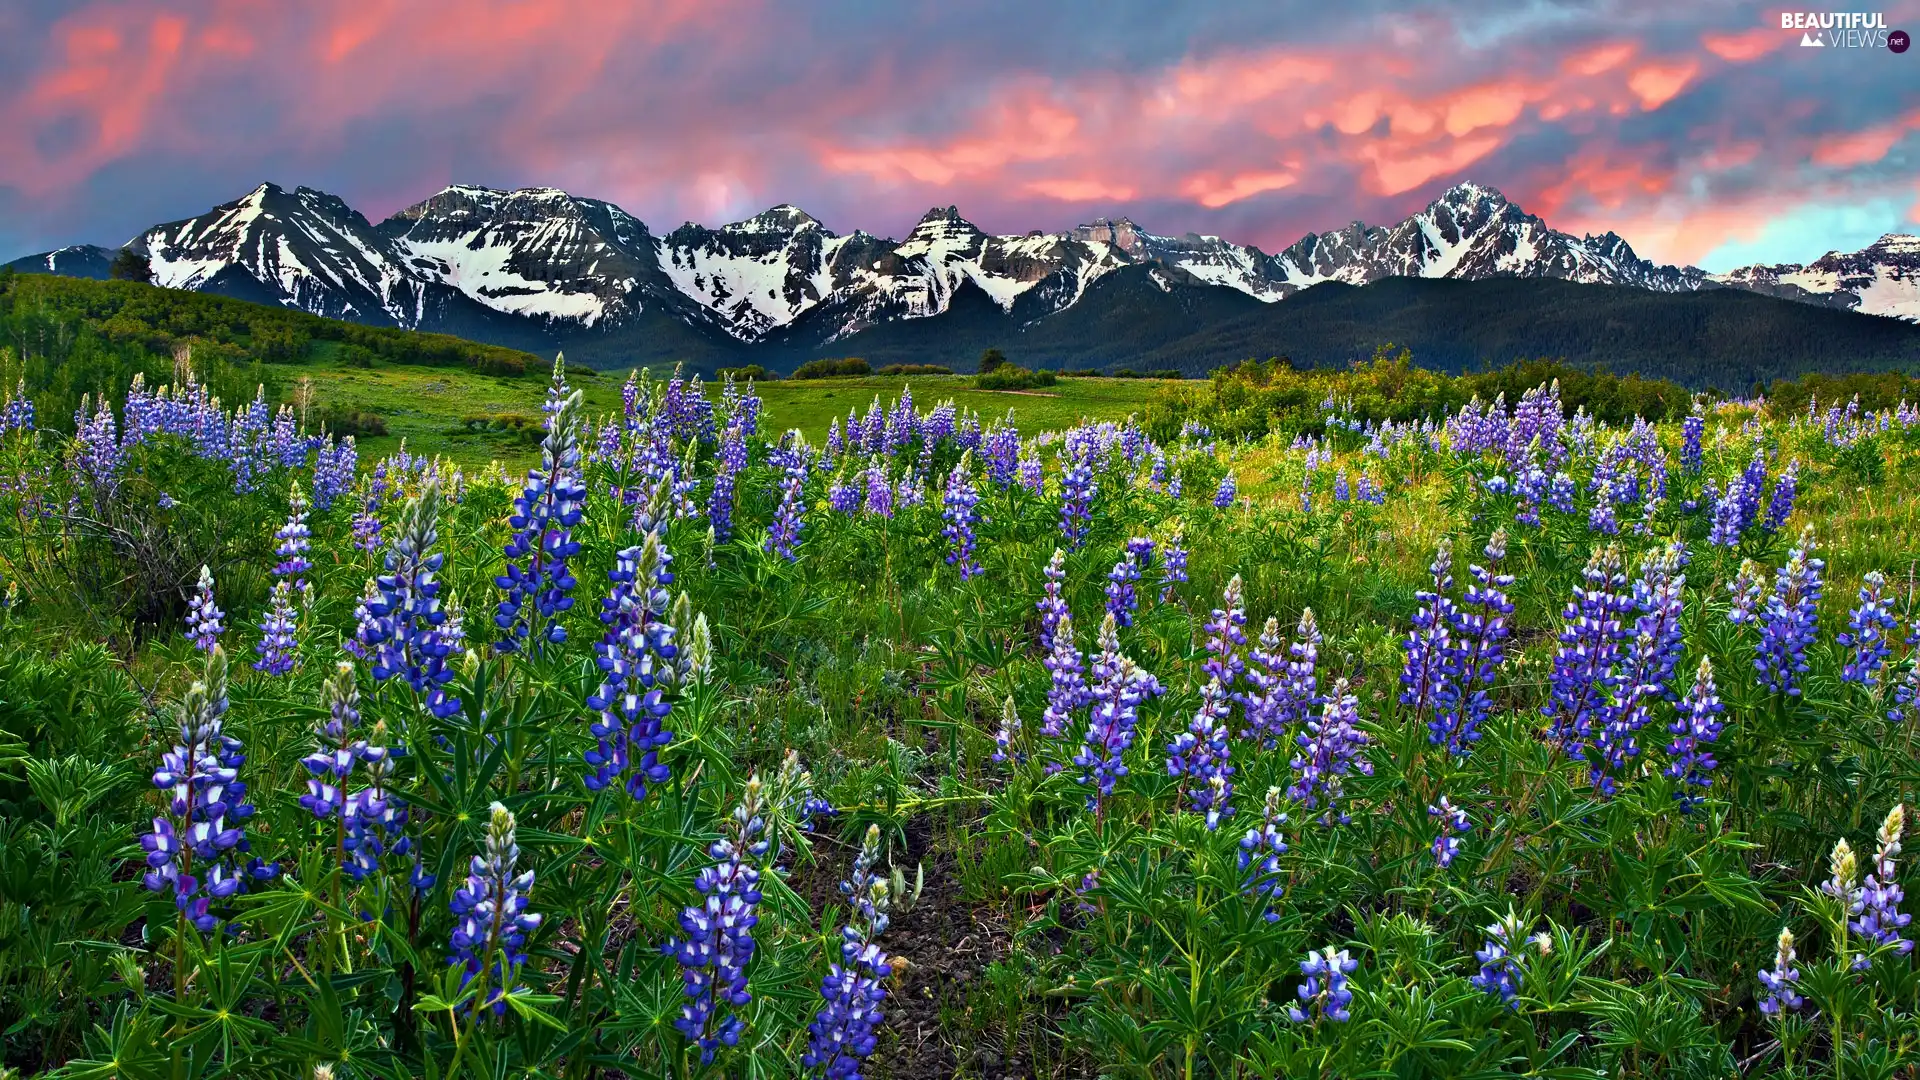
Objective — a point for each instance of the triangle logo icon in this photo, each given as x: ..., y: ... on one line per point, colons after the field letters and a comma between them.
x: 1808, y: 41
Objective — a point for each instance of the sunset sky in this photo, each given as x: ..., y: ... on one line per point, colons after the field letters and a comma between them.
x: 1699, y: 130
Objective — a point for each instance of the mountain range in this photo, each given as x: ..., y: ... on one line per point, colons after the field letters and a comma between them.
x: 541, y: 269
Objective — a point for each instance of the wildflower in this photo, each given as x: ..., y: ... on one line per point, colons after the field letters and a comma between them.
x: 204, y: 625
x: 1329, y: 751
x: 1746, y: 590
x: 1324, y: 996
x: 1586, y: 667
x: 1121, y: 596
x: 1691, y: 430
x: 205, y: 806
x: 1475, y: 649
x: 842, y: 1032
x: 1867, y: 628
x: 1226, y: 636
x: 1425, y: 681
x: 404, y: 613
x: 536, y: 582
x: 1260, y: 851
x: 1875, y: 904
x: 1780, y: 505
x: 635, y: 656
x: 1201, y: 753
x: 335, y: 750
x: 879, y: 492
x: 783, y: 536
x: 1788, y: 623
x: 718, y: 928
x: 1119, y: 688
x: 1052, y: 605
x: 731, y: 462
x: 1004, y: 740
x: 295, y: 540
x: 1780, y: 982
x: 1067, y: 690
x: 1453, y: 821
x: 1228, y: 490
x: 1695, y: 730
x: 1077, y: 491
x: 492, y: 920
x: 958, y: 504
x: 1173, y: 568
x: 1500, y: 970
x: 1842, y: 871
x: 277, y: 646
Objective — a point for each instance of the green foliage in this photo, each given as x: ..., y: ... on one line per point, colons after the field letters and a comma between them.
x: 828, y: 369
x: 756, y: 372
x: 1013, y: 377
x: 130, y: 265
x: 915, y: 369
x: 991, y: 360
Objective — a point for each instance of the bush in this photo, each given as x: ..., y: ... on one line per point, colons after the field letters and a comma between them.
x: 915, y: 369
x: 756, y: 372
x: 832, y: 369
x: 342, y: 421
x: 992, y: 360
x: 1013, y: 377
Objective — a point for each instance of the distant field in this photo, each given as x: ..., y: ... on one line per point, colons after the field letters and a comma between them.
x: 428, y: 405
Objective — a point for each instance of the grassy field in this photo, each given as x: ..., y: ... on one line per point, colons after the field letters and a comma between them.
x: 427, y: 405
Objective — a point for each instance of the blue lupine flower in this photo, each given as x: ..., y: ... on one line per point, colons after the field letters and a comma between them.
x: 879, y: 491
x: 1032, y: 472
x: 1173, y: 568
x: 1780, y: 505
x: 333, y: 469
x: 1263, y: 702
x: 204, y: 625
x: 492, y: 920
x: 18, y: 412
x: 278, y: 646
x: 376, y: 819
x: 1052, y: 605
x: 404, y: 613
x: 1788, y: 623
x: 1330, y: 750
x: 1425, y: 681
x: 1226, y: 637
x: 336, y: 750
x: 1077, y: 491
x: 842, y: 1032
x: 1500, y: 969
x: 1453, y: 821
x: 1877, y: 918
x: 1121, y: 595
x: 1006, y: 741
x: 731, y: 461
x: 1324, y: 996
x: 1228, y: 490
x: 1691, y: 430
x: 1867, y: 628
x: 1119, y: 688
x: 1781, y: 981
x: 1260, y: 852
x: 1746, y: 591
x: 1587, y: 665
x: 536, y: 582
x: 1200, y: 756
x: 205, y: 807
x: 1475, y: 647
x: 1067, y: 691
x: 718, y: 943
x: 957, y: 510
x: 1695, y: 730
x: 295, y: 540
x: 783, y: 536
x: 637, y: 657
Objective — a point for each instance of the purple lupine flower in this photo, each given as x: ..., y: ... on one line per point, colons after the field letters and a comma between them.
x: 1201, y: 756
x: 1453, y: 821
x: 718, y: 943
x: 879, y: 491
x: 1228, y: 490
x: 402, y: 630
x: 1586, y: 667
x: 1121, y: 597
x: 783, y: 536
x: 1324, y: 996
x: 1727, y: 513
x: 1746, y: 591
x: 278, y: 647
x: 1877, y: 918
x: 375, y: 819
x: 1341, y: 492
x: 366, y: 527
x: 1067, y: 691
x: 295, y: 540
x: 957, y: 509
x: 1695, y: 730
x: 1475, y: 649
x: 731, y: 462
x: 1173, y: 568
x: 1077, y: 491
x: 1782, y: 981
x: 1500, y: 970
x: 1842, y: 871
x: 1263, y: 701
x: 1647, y: 674
x: 1753, y: 481
x: 335, y: 749
x: 842, y: 1032
x: 1425, y: 680
x: 205, y: 808
x: 18, y: 412
x: 1032, y: 472
x: 1788, y: 623
x: 333, y: 470
x: 1780, y: 503
x: 204, y: 625
x: 1692, y: 429
x: 1226, y: 637
x: 491, y: 917
x: 1867, y: 628
x: 1007, y: 741
x: 1330, y: 749
x: 537, y: 583
x: 1003, y: 454
x: 1119, y: 689
x: 1260, y: 852
x: 1052, y: 606
x: 1906, y: 690
x: 635, y: 656
x: 844, y: 494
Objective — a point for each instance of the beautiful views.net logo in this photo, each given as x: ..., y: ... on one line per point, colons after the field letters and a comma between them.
x: 1844, y: 30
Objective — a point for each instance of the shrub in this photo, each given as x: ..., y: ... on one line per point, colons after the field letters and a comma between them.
x: 756, y: 372
x: 992, y: 360
x: 915, y: 369
x: 830, y: 369
x: 1013, y: 377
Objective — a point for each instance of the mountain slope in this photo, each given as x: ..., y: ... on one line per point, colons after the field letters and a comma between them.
x: 81, y: 261
x: 541, y: 269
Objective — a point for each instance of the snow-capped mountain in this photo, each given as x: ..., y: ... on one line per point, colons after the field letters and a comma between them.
x: 541, y: 266
x: 80, y: 260
x: 1882, y: 278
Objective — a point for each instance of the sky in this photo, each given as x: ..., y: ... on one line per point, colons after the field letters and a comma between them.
x: 1700, y: 131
